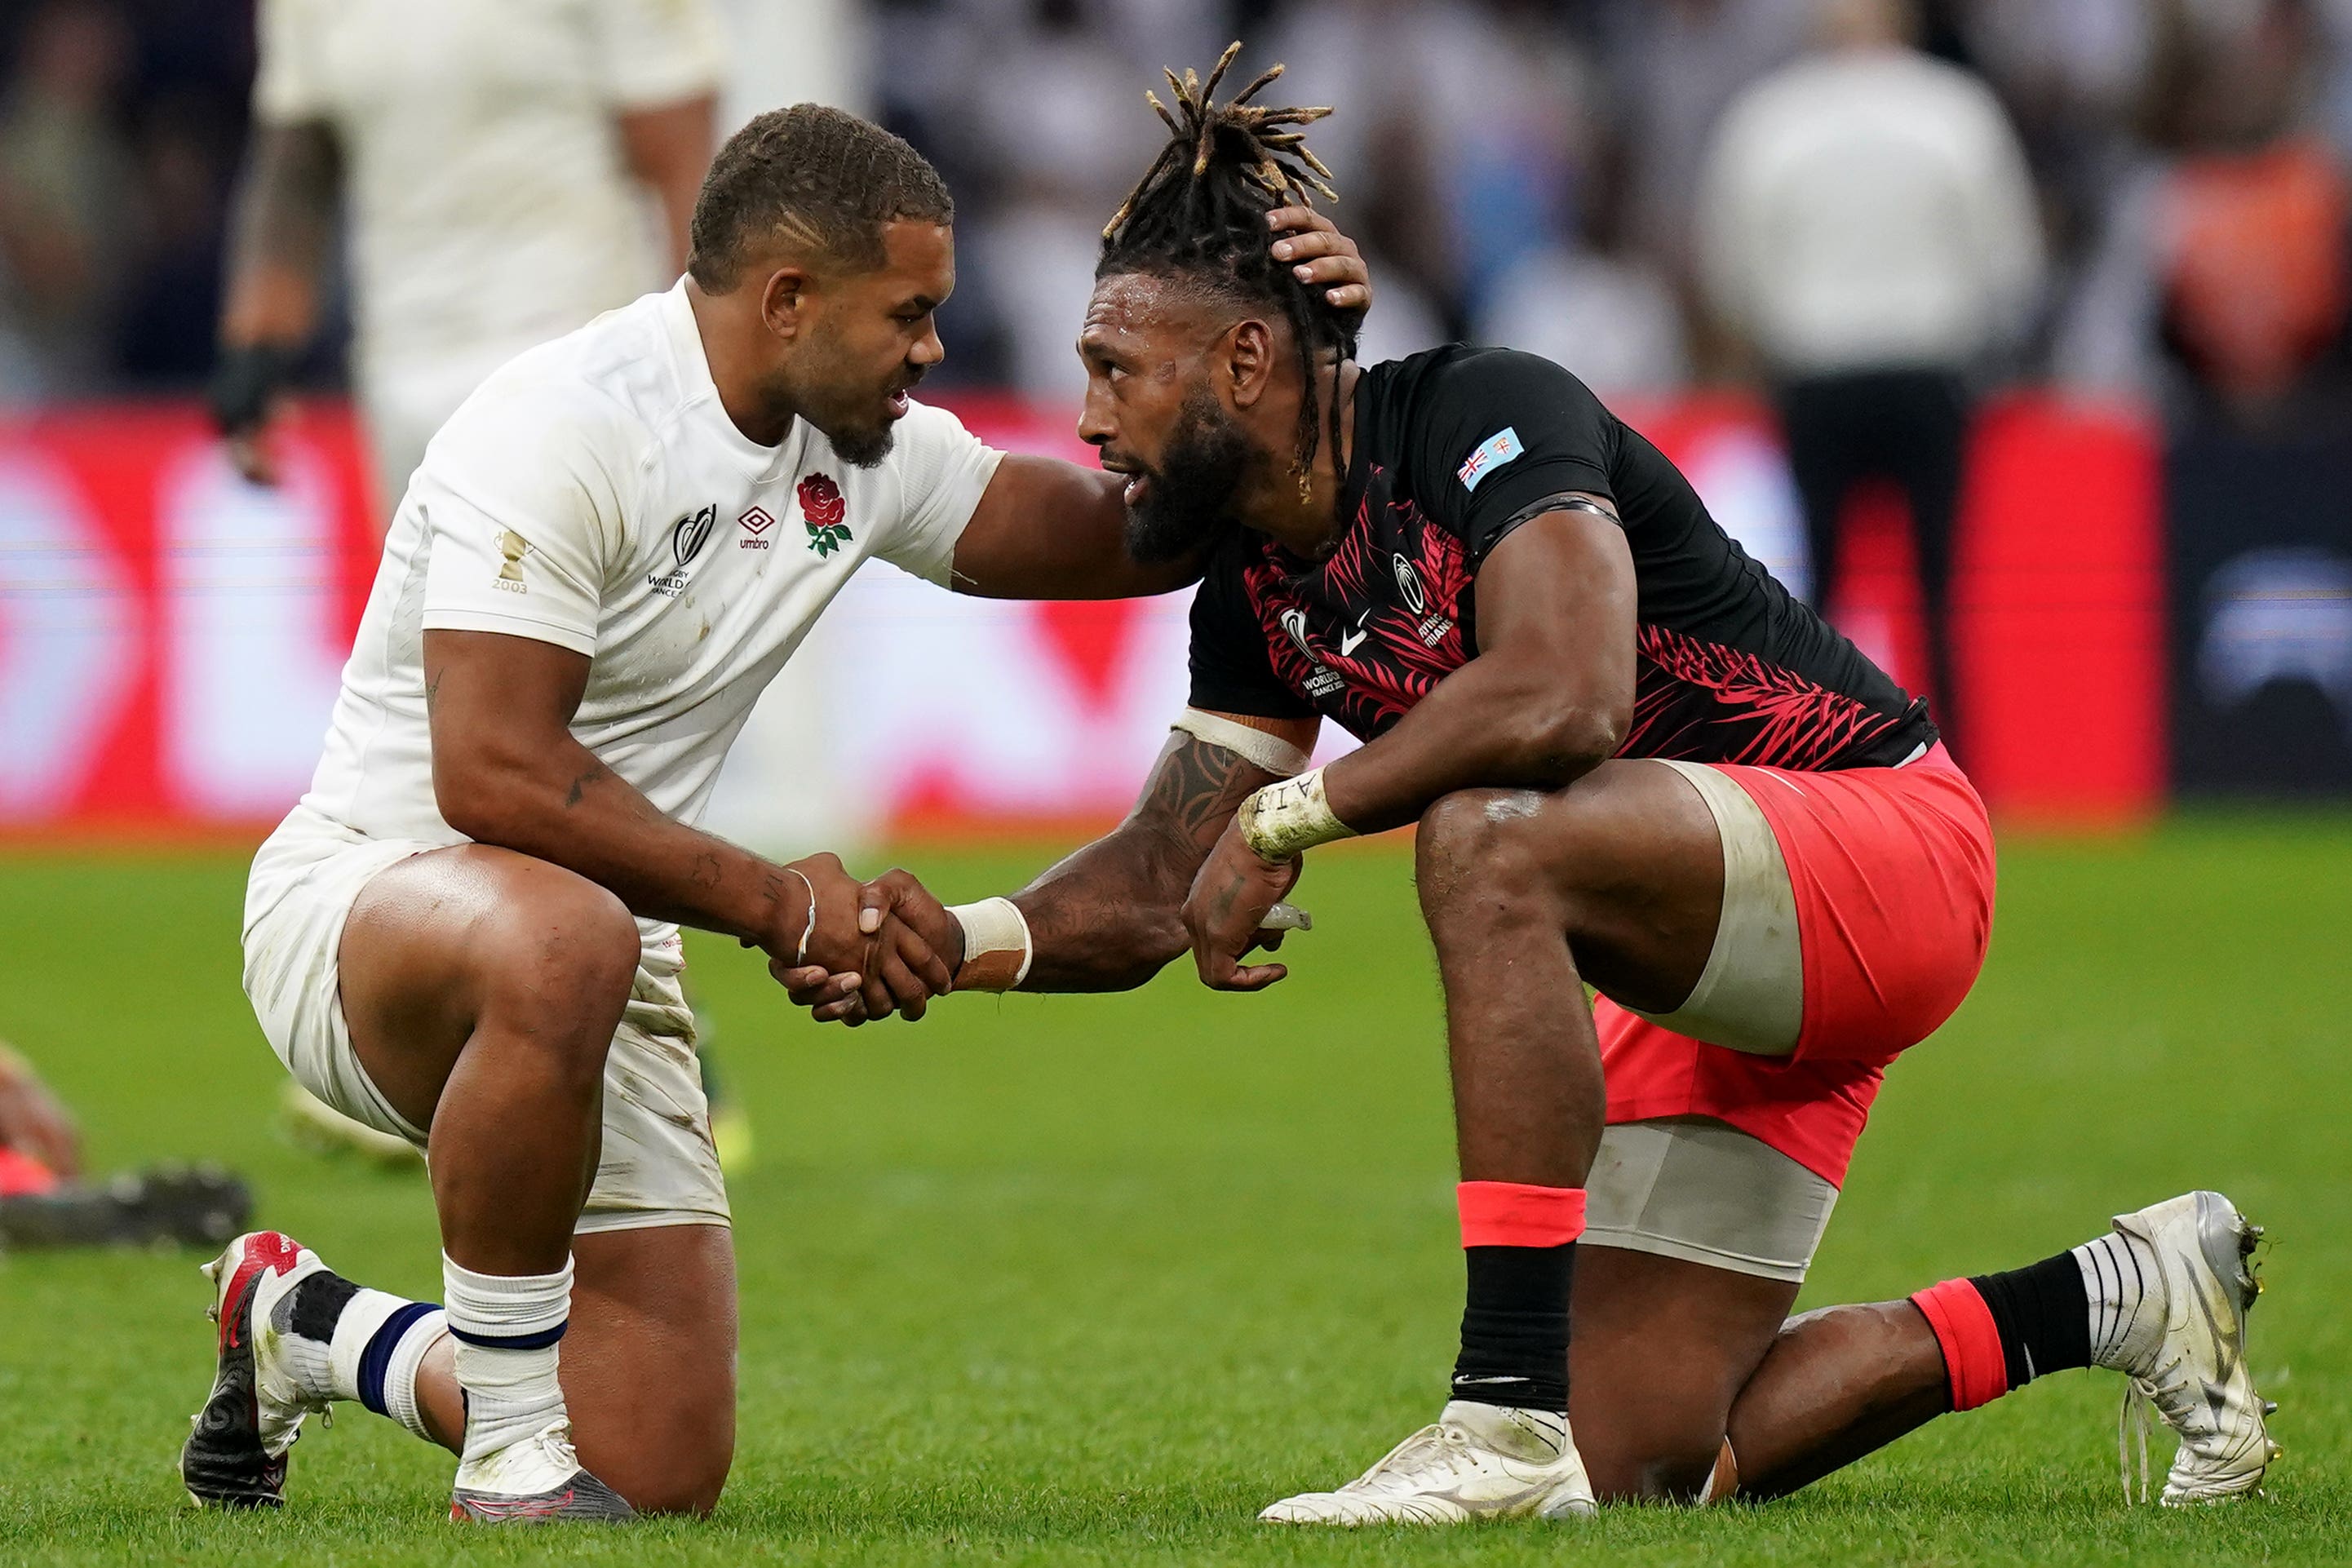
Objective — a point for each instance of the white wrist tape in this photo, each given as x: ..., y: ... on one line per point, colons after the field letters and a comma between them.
x: 1271, y: 753
x: 1285, y: 819
x: 996, y: 945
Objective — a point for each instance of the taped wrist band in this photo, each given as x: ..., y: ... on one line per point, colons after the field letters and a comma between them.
x: 1287, y: 818
x: 996, y: 945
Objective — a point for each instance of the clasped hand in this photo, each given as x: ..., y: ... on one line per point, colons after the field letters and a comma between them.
x: 870, y: 949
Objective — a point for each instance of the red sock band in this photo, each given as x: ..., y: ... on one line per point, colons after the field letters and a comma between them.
x: 1972, y: 1353
x: 1513, y: 1214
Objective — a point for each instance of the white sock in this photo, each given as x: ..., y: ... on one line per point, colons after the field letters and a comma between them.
x: 2119, y: 1276
x: 368, y: 1351
x: 380, y: 1341
x: 505, y: 1329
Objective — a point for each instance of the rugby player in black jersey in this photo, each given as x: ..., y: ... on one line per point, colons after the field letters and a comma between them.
x: 1634, y: 763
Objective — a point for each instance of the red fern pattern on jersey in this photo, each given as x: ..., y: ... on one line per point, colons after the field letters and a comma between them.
x: 1702, y: 701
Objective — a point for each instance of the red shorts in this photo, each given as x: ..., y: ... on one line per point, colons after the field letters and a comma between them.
x: 1892, y: 872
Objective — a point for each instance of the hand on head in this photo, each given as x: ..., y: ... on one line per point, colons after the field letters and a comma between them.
x: 871, y: 948
x: 1321, y: 255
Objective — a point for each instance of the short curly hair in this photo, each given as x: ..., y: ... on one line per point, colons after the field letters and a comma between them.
x: 818, y: 175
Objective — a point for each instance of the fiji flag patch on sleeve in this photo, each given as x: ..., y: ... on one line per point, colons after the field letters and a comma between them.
x: 1491, y: 454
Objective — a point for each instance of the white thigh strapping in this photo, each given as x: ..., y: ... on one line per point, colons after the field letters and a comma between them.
x: 1706, y: 1193
x: 1751, y: 995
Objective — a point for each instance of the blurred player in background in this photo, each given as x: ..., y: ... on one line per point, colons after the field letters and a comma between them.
x: 1634, y: 761
x: 503, y: 174
x: 469, y: 924
x: 45, y: 1200
x: 1920, y: 257
x: 494, y: 166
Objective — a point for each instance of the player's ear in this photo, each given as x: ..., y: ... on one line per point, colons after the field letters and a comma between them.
x: 785, y: 302
x: 1247, y: 359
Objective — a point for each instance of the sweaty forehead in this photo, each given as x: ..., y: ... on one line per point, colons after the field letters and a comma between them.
x: 1134, y: 307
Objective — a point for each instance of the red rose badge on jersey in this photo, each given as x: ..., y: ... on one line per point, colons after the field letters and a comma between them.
x: 824, y: 513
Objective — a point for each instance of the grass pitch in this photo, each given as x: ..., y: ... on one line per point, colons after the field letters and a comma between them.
x: 1091, y: 1279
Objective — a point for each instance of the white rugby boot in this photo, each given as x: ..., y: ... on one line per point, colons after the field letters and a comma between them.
x: 2183, y: 1346
x: 535, y: 1481
x: 236, y: 1456
x: 1477, y: 1461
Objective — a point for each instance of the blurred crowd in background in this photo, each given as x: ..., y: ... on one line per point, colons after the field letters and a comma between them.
x: 2148, y: 196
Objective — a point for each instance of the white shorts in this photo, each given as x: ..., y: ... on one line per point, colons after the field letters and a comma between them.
x: 1705, y: 1191
x: 659, y: 1165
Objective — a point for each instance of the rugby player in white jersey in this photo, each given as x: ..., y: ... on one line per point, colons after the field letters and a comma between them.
x: 494, y: 164
x: 466, y: 933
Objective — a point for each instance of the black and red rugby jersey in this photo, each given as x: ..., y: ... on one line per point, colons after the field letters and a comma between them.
x: 1455, y: 449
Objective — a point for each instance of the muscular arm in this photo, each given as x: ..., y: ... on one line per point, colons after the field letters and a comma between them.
x: 508, y: 771
x: 1049, y: 529
x: 1549, y: 698
x: 668, y: 147
x: 1106, y: 918
x: 284, y: 220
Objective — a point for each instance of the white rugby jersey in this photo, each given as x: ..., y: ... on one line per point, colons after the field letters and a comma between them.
x: 594, y: 494
x: 489, y: 205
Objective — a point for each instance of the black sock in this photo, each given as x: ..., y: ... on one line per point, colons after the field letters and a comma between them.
x: 1515, y: 1326
x: 317, y: 1302
x: 2044, y: 1315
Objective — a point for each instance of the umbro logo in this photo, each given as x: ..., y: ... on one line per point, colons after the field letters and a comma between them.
x: 756, y: 524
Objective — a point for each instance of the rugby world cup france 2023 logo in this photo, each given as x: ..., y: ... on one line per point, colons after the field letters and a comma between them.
x: 687, y: 537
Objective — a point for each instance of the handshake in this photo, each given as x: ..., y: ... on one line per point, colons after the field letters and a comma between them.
x: 851, y: 952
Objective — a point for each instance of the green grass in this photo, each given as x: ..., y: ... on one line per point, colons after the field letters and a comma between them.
x: 1090, y: 1279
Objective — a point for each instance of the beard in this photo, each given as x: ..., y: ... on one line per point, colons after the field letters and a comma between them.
x: 815, y: 391
x: 1186, y: 500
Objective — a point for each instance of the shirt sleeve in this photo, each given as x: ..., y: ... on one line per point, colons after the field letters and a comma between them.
x: 290, y: 82
x: 943, y: 470
x: 652, y: 52
x: 524, y: 517
x: 1505, y: 433
x: 1231, y: 670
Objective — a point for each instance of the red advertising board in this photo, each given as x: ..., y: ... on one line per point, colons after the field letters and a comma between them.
x: 170, y: 637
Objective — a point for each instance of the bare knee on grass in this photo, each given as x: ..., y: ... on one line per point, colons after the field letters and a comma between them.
x: 1838, y: 1383
x: 1659, y: 1351
x: 648, y: 1364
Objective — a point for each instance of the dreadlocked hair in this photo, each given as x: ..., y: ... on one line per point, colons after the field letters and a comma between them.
x: 1198, y: 213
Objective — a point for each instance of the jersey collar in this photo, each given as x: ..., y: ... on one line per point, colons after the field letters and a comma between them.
x: 702, y: 393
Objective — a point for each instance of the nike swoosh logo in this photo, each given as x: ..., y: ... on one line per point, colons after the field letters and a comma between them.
x: 1350, y: 641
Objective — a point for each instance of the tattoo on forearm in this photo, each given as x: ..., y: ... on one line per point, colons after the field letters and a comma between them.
x: 1107, y: 917
x: 707, y: 872
x: 580, y: 786
x: 1194, y: 792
